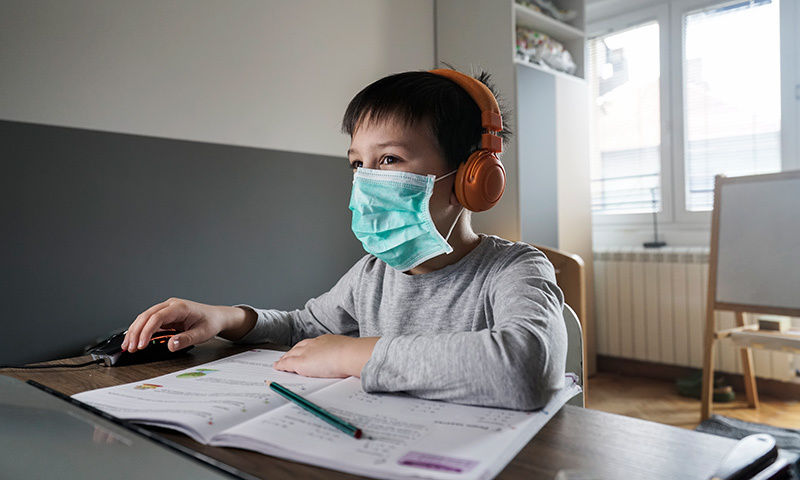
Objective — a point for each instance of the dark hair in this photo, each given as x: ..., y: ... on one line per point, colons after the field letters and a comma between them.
x: 420, y: 98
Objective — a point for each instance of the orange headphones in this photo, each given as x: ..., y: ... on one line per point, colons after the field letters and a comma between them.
x: 481, y: 180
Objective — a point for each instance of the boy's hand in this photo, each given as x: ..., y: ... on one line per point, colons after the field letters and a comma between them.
x: 196, y: 322
x: 328, y: 356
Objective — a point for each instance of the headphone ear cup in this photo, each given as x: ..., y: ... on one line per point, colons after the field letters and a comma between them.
x: 480, y: 181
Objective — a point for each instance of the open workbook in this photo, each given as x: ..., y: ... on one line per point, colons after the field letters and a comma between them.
x: 229, y: 403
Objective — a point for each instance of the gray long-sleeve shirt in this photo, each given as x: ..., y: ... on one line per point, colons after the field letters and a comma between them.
x: 487, y: 330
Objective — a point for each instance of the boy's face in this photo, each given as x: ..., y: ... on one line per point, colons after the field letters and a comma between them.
x: 391, y: 145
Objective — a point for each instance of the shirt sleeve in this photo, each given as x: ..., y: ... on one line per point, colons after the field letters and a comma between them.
x: 518, y: 362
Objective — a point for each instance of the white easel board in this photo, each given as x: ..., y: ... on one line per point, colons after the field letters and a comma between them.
x: 758, y: 249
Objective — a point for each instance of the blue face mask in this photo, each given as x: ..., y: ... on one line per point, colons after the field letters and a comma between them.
x: 392, y: 219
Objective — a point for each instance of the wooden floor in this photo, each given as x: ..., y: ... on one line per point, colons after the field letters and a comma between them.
x: 658, y: 401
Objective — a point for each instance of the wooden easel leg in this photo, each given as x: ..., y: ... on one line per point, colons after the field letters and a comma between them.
x: 749, y: 378
x: 707, y: 393
x: 706, y: 396
x: 748, y: 371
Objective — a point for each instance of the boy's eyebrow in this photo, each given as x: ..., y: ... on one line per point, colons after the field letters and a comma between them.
x: 391, y: 143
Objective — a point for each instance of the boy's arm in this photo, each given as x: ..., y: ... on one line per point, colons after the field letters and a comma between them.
x: 517, y: 362
x: 328, y: 356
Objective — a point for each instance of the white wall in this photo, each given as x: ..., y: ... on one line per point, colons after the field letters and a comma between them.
x: 263, y: 73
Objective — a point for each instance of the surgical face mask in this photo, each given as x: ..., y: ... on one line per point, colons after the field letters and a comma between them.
x: 391, y: 217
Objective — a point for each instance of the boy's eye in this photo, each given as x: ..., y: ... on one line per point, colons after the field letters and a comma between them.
x: 389, y: 159
x: 356, y: 164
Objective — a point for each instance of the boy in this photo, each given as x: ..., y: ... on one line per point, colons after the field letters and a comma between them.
x: 435, y: 310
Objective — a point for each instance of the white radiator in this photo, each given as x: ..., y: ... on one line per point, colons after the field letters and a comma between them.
x: 650, y: 306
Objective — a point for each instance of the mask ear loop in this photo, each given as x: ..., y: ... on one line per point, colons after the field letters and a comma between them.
x: 452, y: 227
x: 445, y: 176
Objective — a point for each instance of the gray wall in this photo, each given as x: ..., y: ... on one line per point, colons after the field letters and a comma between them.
x: 98, y: 226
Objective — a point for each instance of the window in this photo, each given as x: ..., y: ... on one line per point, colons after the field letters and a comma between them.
x: 663, y: 127
x: 626, y: 162
x: 731, y: 95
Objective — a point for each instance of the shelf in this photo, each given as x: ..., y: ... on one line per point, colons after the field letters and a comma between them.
x: 551, y: 71
x: 540, y: 22
x: 571, y: 37
x: 788, y: 341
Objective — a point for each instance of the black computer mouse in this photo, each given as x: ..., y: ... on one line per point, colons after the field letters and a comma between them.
x: 110, y: 350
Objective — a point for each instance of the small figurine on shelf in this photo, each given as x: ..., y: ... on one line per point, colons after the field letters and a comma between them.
x: 536, y: 47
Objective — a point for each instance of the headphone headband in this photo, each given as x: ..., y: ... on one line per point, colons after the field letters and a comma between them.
x: 491, y: 118
x: 481, y: 179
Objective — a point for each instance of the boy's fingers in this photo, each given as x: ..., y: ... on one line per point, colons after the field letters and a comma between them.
x: 181, y: 340
x: 137, y: 336
x: 196, y: 333
x: 177, y: 342
x: 284, y: 364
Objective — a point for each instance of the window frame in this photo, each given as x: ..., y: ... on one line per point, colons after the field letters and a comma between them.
x: 682, y: 224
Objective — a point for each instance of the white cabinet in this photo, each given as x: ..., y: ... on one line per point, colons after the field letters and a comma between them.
x: 547, y: 199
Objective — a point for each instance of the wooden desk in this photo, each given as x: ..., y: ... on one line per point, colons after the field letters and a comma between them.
x: 605, y: 445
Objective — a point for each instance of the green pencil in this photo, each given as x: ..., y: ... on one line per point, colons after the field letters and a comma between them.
x: 317, y: 410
